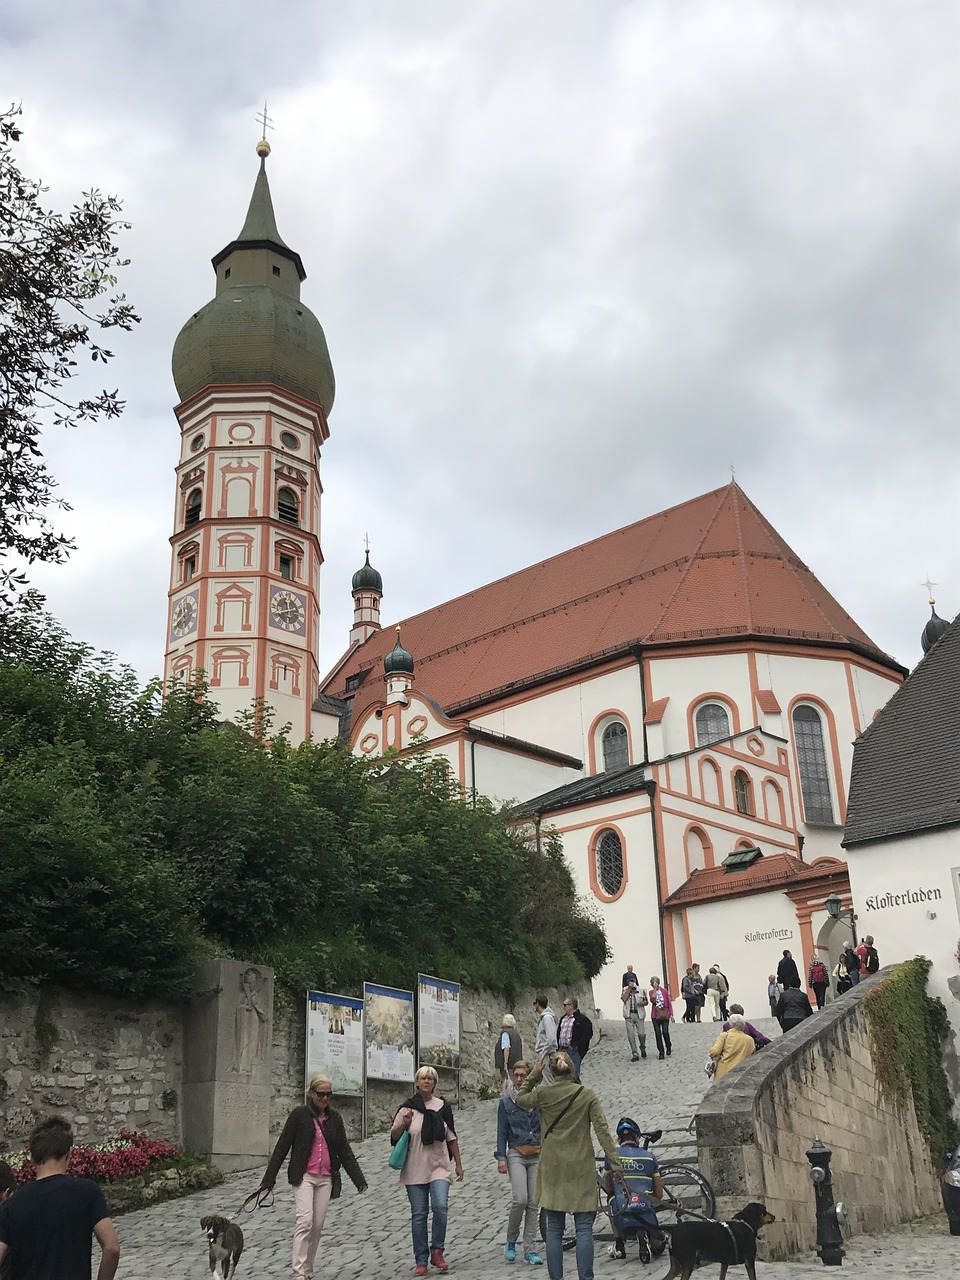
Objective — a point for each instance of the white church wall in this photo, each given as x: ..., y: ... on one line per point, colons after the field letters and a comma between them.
x: 745, y: 937
x: 691, y: 678
x: 506, y: 776
x: 632, y: 920
x: 562, y: 718
x: 906, y: 893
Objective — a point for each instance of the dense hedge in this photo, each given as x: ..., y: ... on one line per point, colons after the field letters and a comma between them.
x: 908, y: 1029
x: 137, y: 835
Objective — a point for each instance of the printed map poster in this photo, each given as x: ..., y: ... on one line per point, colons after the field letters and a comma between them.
x: 388, y: 1032
x: 438, y: 1005
x: 335, y: 1041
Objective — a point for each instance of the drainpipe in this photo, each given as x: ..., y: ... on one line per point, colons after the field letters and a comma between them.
x: 651, y: 790
x: 638, y: 654
x: 473, y: 772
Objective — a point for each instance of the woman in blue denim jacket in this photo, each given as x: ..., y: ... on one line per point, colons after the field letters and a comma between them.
x: 518, y: 1153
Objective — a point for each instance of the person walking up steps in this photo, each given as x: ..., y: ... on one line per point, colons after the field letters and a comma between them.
x: 714, y: 989
x: 819, y: 979
x: 518, y: 1154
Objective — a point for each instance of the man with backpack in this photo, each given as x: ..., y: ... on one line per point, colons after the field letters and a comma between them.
x: 867, y: 955
x: 631, y: 1209
x: 819, y: 979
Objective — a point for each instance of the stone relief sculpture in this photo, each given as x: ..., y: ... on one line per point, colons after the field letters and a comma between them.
x: 250, y: 1024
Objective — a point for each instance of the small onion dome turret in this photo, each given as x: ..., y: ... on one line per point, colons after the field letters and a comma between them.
x: 934, y: 629
x: 367, y: 578
x: 398, y: 661
x: 256, y: 329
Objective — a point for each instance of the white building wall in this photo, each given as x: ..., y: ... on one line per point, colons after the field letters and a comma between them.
x: 746, y: 938
x: 506, y: 776
x: 632, y: 921
x: 691, y: 678
x: 907, y: 895
x: 562, y: 718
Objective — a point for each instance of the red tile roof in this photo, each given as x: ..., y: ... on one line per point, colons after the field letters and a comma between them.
x: 655, y: 711
x: 712, y: 568
x: 776, y: 871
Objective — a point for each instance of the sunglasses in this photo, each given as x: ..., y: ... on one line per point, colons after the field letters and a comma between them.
x: 322, y: 1093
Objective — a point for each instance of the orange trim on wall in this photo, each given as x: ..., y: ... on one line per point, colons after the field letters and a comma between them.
x: 854, y: 709
x: 670, y: 947
x: 622, y: 816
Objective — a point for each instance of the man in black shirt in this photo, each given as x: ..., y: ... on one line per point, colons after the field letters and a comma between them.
x: 45, y: 1228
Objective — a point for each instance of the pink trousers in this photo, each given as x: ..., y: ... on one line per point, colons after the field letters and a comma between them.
x: 311, y: 1199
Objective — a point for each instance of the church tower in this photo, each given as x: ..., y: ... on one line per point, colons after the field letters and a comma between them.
x: 256, y: 387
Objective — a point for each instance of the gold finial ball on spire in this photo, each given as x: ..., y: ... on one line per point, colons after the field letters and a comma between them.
x: 263, y: 148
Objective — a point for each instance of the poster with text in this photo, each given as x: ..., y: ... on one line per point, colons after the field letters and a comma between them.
x: 388, y: 1032
x: 335, y: 1041
x: 438, y: 1005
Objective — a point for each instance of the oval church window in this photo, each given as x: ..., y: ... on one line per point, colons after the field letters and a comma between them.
x: 609, y: 856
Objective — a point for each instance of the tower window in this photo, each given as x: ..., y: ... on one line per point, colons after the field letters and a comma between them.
x: 276, y: 271
x: 189, y: 568
x: 286, y: 567
x: 226, y: 274
x: 712, y: 723
x: 288, y: 509
x: 194, y: 502
x: 812, y: 765
x: 289, y: 440
x: 616, y: 748
x: 196, y: 443
x: 609, y: 855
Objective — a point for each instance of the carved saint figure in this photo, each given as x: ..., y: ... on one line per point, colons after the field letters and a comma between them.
x: 250, y: 1023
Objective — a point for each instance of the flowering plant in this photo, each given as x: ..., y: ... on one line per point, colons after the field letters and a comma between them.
x: 124, y: 1156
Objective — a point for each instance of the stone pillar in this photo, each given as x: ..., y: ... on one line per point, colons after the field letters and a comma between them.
x: 228, y: 1041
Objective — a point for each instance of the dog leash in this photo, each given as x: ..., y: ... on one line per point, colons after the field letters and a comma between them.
x: 262, y: 1198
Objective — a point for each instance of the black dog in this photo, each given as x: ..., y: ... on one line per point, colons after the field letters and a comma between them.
x: 732, y: 1244
x: 226, y: 1244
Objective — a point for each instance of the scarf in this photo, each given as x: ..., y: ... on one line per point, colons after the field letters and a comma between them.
x: 658, y: 999
x: 434, y: 1124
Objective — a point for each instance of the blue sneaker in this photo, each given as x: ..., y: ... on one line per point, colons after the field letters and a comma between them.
x: 533, y: 1258
x: 510, y: 1251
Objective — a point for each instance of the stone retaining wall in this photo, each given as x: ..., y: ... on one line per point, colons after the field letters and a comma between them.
x: 755, y: 1125
x: 109, y: 1064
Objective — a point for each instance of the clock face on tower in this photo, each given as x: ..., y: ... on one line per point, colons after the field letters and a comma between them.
x: 183, y: 620
x: 288, y: 610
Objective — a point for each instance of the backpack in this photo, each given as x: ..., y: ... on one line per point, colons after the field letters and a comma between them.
x: 818, y: 971
x: 630, y: 1210
x: 873, y: 960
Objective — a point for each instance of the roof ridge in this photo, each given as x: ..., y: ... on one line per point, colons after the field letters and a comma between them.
x: 743, y: 563
x: 692, y: 558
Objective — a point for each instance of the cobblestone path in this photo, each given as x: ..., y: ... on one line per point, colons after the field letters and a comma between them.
x: 369, y: 1235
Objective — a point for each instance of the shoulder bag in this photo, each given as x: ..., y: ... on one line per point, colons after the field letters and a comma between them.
x: 398, y: 1156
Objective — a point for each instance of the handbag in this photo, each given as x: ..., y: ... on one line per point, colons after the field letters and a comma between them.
x: 710, y: 1066
x: 398, y: 1156
x: 527, y: 1149
x: 660, y: 1013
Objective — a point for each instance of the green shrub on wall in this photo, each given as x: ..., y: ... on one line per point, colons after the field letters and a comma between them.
x: 907, y: 1032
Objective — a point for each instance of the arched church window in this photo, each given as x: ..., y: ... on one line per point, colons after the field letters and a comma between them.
x: 812, y: 765
x: 616, y: 746
x: 743, y: 791
x: 288, y: 509
x: 194, y: 502
x: 609, y: 857
x: 712, y: 723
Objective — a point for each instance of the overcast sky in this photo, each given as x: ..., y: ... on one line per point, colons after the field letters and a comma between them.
x: 573, y: 258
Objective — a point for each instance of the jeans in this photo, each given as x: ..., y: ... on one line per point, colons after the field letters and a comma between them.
x: 636, y: 1030
x: 854, y: 976
x: 691, y: 1014
x: 583, y: 1223
x: 661, y: 1029
x: 574, y: 1058
x: 523, y: 1208
x: 424, y: 1196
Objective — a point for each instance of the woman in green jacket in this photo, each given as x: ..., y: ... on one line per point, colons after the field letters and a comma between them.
x: 567, y: 1172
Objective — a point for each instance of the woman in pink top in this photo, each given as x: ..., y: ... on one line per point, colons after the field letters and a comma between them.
x: 661, y: 1015
x: 426, y: 1173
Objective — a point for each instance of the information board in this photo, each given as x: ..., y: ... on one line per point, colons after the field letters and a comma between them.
x: 438, y: 1006
x: 335, y: 1041
x: 388, y: 1032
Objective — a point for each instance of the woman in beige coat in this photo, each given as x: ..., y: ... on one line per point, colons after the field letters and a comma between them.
x: 732, y: 1047
x: 567, y: 1172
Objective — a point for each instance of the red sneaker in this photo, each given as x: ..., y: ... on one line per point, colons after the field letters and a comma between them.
x: 439, y: 1261
x: 420, y: 1269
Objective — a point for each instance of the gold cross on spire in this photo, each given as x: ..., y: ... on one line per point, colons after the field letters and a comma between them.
x: 263, y: 119
x: 366, y: 542
x: 929, y: 586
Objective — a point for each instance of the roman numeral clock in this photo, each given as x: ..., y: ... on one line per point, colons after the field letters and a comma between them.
x: 288, y: 610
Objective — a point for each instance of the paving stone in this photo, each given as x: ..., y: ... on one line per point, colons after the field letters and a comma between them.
x: 369, y: 1235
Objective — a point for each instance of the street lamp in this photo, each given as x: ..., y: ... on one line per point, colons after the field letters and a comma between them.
x: 837, y: 911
